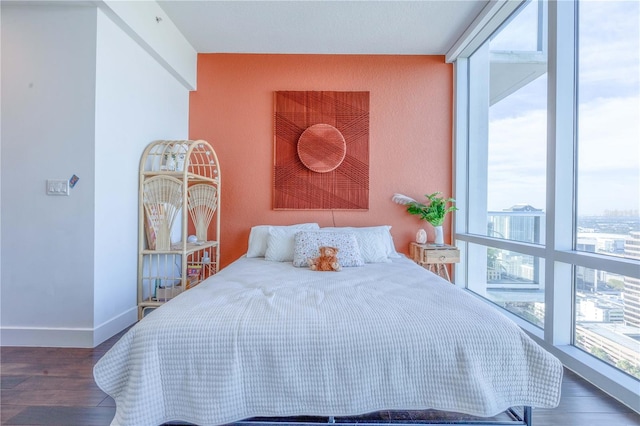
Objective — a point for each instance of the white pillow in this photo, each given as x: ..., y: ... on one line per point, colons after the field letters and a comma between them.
x: 280, y: 243
x: 375, y: 242
x: 260, y: 233
x: 308, y: 243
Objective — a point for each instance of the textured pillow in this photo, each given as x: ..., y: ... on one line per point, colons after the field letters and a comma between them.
x: 260, y: 233
x: 307, y: 244
x: 375, y: 242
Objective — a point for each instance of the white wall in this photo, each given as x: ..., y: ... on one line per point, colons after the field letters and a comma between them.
x: 48, y: 80
x: 79, y: 96
x: 137, y: 101
x: 151, y: 28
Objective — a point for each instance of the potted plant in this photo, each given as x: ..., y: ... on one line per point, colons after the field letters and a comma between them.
x: 434, y: 212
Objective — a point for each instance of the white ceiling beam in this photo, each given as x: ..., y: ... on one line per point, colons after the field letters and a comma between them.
x: 148, y: 24
x: 487, y: 22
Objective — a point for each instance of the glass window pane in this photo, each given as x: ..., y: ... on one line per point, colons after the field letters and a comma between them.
x: 607, y: 323
x: 608, y: 126
x: 519, y: 223
x: 517, y: 149
x: 509, y: 132
x: 521, y: 33
x: 512, y: 280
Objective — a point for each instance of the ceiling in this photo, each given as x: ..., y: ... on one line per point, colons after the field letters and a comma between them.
x: 419, y: 27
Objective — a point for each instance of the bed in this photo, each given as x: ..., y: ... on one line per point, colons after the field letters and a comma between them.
x: 266, y: 339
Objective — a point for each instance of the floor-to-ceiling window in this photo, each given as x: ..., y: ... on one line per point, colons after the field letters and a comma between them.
x: 607, y: 304
x: 548, y: 179
x: 507, y: 163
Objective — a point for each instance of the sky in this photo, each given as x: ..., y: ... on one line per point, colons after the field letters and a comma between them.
x: 608, y: 115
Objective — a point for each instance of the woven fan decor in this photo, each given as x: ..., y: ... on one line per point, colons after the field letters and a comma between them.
x: 321, y: 145
x: 202, y: 201
x: 162, y: 200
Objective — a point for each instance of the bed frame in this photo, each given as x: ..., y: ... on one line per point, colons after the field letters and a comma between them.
x: 519, y: 417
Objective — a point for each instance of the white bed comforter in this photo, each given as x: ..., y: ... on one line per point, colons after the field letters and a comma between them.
x: 264, y: 338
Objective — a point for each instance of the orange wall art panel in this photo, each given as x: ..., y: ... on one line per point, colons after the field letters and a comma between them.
x: 321, y: 150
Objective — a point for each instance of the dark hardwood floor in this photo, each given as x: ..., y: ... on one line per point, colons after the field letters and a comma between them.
x: 54, y: 386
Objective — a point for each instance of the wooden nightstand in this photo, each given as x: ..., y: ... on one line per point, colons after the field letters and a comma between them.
x: 434, y: 258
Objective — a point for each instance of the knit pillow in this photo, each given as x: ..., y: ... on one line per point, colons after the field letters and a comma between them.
x: 307, y: 243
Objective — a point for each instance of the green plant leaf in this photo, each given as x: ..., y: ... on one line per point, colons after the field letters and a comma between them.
x: 435, y: 211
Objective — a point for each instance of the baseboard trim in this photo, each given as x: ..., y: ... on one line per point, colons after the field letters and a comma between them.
x: 67, y: 337
x: 114, y: 326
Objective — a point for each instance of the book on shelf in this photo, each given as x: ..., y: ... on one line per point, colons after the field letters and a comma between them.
x: 194, y: 272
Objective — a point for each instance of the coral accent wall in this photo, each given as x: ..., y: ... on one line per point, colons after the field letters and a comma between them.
x: 409, y: 142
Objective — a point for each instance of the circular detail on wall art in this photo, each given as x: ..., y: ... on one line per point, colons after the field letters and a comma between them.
x: 321, y: 148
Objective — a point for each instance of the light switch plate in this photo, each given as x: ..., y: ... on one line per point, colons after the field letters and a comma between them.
x: 57, y: 187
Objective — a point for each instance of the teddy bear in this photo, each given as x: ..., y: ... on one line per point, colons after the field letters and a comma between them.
x: 327, y: 261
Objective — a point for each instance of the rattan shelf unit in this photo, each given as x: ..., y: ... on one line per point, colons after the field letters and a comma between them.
x: 179, y: 197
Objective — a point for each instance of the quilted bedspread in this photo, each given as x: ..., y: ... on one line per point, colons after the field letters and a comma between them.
x: 264, y: 338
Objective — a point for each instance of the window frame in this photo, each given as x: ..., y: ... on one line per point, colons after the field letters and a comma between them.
x: 558, y: 252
